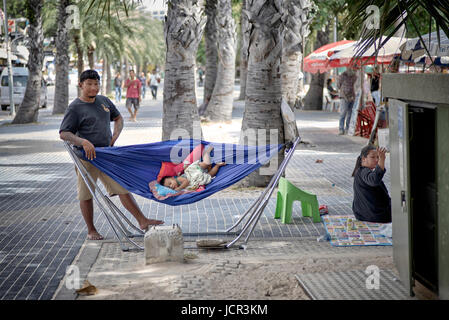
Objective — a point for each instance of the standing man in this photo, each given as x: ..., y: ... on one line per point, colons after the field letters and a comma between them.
x: 118, y: 82
x: 133, y: 88
x: 375, y: 87
x: 143, y: 82
x: 154, y: 82
x: 86, y: 125
x: 347, y: 95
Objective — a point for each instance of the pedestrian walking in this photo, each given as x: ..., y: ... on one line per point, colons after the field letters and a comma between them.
x: 346, y: 84
x: 118, y: 83
x: 133, y: 89
x: 86, y: 125
x: 375, y: 86
x: 200, y: 75
x: 143, y: 81
x: 154, y: 81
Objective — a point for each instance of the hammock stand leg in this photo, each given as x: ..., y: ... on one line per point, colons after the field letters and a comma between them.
x: 115, y: 224
x: 263, y: 199
x: 117, y: 212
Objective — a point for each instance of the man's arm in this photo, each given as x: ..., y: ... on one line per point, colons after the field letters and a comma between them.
x: 77, y: 141
x: 118, y: 126
x: 139, y: 88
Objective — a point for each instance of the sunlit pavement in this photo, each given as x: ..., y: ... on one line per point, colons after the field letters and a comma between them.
x: 41, y: 226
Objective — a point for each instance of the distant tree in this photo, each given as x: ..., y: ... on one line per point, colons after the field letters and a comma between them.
x: 296, y: 20
x: 211, y: 52
x: 61, y: 99
x: 222, y: 99
x: 262, y: 117
x: 28, y: 110
x: 244, y: 34
x: 184, y: 28
x: 324, y: 13
x: 314, y: 97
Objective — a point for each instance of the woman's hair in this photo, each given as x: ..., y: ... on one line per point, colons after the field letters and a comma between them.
x: 328, y: 81
x: 163, y: 180
x: 364, y: 153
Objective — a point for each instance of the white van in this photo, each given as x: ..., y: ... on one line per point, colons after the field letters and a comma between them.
x: 20, y: 79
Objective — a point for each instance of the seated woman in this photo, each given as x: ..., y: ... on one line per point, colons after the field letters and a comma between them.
x: 371, y: 200
x: 195, y: 175
x: 333, y: 93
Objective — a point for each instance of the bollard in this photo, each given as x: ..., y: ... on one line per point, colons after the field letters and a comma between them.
x: 164, y: 243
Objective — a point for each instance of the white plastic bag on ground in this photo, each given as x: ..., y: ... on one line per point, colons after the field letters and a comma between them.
x: 386, y: 230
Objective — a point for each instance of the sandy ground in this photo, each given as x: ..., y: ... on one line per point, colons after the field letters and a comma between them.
x: 264, y: 270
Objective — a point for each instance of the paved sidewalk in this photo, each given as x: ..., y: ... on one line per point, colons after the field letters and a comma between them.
x: 42, y: 230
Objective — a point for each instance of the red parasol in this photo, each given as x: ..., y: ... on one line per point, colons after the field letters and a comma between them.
x: 318, y: 60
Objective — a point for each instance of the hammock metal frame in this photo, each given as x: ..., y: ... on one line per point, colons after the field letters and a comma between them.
x: 114, y: 215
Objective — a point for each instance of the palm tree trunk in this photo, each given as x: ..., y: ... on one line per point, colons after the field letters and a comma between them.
x: 183, y: 31
x: 108, y: 77
x: 314, y: 97
x: 145, y: 68
x: 262, y: 122
x: 295, y: 28
x: 90, y: 56
x: 221, y: 102
x: 80, y: 55
x: 29, y: 108
x: 126, y: 75
x: 210, y: 37
x: 244, y: 25
x: 103, y: 76
x: 61, y: 99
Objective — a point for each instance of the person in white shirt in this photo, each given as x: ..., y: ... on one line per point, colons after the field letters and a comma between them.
x: 153, y: 82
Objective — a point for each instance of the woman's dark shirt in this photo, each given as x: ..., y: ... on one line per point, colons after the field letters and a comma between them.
x: 332, y: 91
x: 371, y: 200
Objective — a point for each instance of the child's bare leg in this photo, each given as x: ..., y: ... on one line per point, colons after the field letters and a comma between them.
x: 205, y: 166
x: 214, y: 170
x: 206, y: 156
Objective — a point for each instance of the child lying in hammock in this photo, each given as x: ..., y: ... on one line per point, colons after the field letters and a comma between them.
x: 197, y: 174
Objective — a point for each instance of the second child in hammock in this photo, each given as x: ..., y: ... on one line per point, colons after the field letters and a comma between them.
x: 197, y: 174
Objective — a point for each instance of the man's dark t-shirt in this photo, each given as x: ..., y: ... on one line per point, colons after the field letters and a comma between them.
x: 375, y: 83
x: 91, y: 121
x: 371, y: 200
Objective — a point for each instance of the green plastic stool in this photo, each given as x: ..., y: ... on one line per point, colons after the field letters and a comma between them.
x: 287, y: 194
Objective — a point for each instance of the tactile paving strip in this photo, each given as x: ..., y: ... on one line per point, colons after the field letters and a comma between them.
x: 352, y: 285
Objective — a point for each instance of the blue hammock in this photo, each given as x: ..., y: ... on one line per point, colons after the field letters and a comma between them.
x: 134, y: 166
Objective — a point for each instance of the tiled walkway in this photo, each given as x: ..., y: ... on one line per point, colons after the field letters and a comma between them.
x: 41, y: 228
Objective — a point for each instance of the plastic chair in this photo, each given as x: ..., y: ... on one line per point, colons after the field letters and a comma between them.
x: 365, y: 120
x: 287, y: 194
x: 329, y: 104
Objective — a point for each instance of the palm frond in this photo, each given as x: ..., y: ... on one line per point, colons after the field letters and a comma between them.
x: 394, y: 14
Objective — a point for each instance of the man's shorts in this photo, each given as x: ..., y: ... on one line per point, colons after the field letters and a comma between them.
x: 112, y: 187
x: 132, y: 102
